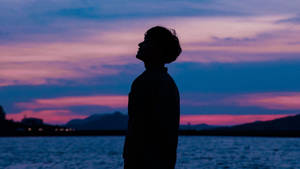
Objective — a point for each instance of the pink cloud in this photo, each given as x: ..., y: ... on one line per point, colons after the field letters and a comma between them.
x: 74, y: 59
x: 108, y: 100
x: 275, y: 100
x: 61, y: 115
x: 221, y: 119
x: 49, y: 116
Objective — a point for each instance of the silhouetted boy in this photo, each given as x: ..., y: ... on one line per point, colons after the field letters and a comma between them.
x: 153, y: 106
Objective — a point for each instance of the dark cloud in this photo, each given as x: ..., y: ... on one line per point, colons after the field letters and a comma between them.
x: 234, y: 110
x: 237, y: 78
x: 198, y: 83
x: 295, y: 20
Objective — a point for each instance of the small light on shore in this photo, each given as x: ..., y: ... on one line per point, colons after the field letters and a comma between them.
x: 29, y: 129
x: 40, y: 129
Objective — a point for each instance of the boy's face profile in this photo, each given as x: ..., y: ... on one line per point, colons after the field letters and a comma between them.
x: 148, y: 50
x: 159, y: 47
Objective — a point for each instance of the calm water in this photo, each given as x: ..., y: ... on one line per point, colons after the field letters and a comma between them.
x: 200, y: 152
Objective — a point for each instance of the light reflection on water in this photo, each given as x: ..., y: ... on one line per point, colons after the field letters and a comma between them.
x: 105, y: 152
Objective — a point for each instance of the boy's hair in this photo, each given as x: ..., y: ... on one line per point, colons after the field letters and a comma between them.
x: 167, y: 40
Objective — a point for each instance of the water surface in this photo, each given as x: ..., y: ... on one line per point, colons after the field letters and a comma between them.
x: 105, y: 152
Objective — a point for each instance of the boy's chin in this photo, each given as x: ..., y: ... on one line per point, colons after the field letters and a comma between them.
x: 140, y: 57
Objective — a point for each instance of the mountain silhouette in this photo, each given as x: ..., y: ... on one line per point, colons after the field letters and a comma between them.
x: 118, y: 121
x: 115, y: 121
x: 290, y: 123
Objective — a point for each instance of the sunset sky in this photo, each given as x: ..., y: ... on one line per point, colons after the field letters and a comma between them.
x: 67, y: 59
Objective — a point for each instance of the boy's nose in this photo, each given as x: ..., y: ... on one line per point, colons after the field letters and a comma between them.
x: 140, y: 44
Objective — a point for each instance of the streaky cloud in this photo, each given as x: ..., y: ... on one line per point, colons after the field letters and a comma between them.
x: 85, y: 57
x: 269, y: 100
x: 114, y: 101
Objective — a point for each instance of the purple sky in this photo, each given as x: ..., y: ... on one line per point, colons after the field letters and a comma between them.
x: 66, y: 59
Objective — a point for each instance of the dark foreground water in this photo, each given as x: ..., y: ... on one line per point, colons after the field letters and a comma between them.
x: 199, y: 152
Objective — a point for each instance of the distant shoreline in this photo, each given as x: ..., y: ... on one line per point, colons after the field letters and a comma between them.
x: 181, y: 133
